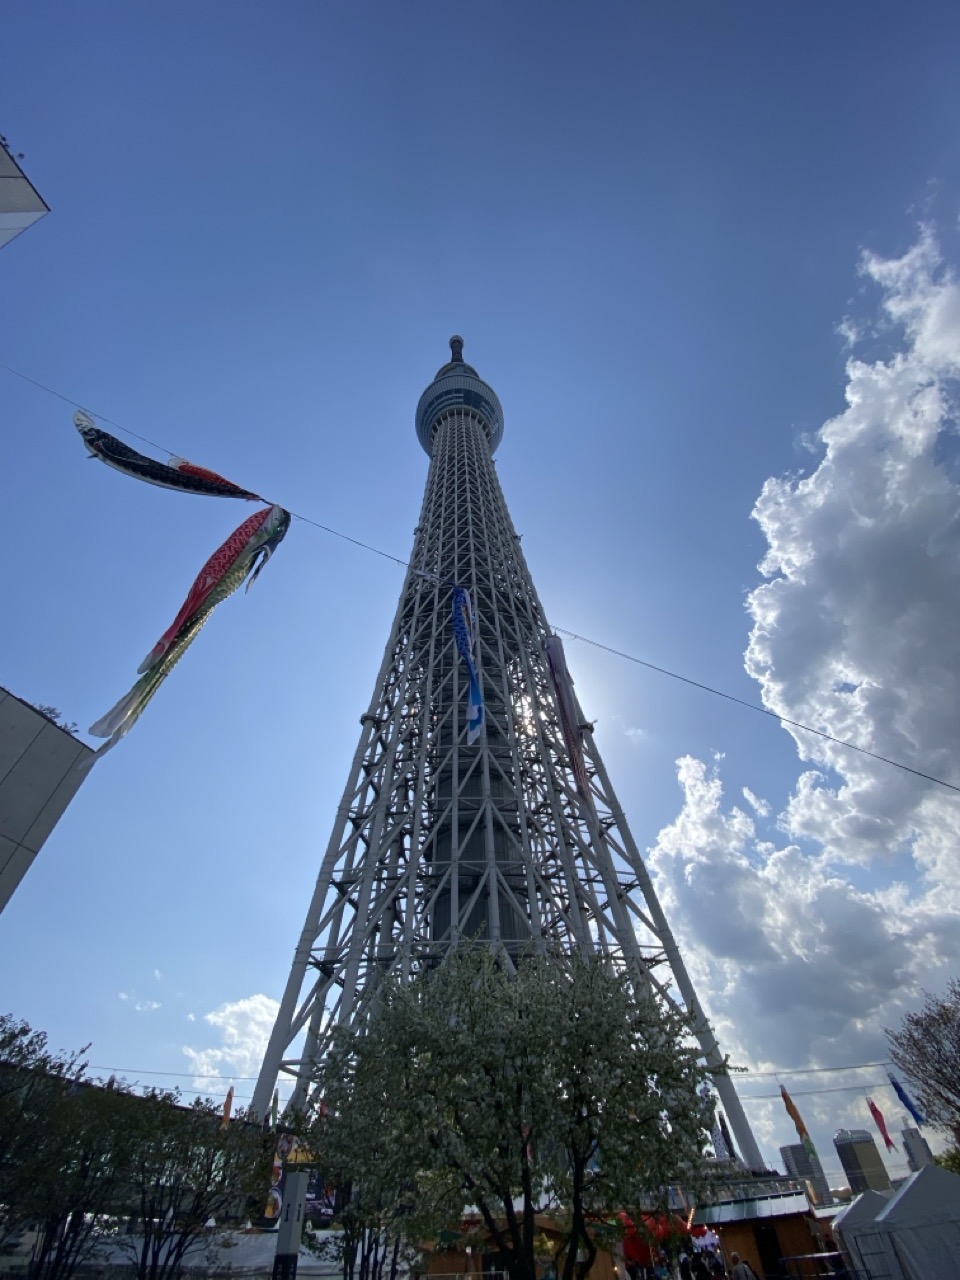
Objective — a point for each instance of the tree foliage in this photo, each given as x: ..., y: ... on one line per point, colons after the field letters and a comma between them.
x: 549, y: 1088
x: 186, y: 1169
x: 79, y: 1185
x: 927, y: 1049
x: 77, y: 1159
x: 32, y: 1081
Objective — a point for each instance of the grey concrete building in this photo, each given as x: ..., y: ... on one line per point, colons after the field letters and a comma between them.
x: 21, y: 205
x: 40, y: 773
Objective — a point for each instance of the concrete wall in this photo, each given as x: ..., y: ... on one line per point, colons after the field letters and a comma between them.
x: 20, y: 203
x: 39, y: 775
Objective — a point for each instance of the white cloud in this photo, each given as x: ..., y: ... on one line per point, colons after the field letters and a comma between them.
x: 157, y: 974
x: 849, y: 331
x: 795, y: 965
x: 191, y: 1017
x: 804, y: 949
x: 123, y: 995
x: 244, y: 1028
x: 635, y: 735
x: 857, y: 630
x: 147, y: 1006
x: 759, y: 806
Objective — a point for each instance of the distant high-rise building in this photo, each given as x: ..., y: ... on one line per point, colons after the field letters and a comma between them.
x: 800, y: 1163
x: 861, y: 1161
x: 915, y: 1145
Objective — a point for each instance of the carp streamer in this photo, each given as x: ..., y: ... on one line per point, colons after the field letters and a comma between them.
x: 177, y: 474
x: 238, y: 560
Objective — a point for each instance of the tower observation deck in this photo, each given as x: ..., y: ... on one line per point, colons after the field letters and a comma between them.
x: 510, y: 832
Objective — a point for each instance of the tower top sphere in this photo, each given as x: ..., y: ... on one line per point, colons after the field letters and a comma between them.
x: 458, y: 386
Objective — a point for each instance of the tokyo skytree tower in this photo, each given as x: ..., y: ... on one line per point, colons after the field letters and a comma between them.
x: 477, y: 804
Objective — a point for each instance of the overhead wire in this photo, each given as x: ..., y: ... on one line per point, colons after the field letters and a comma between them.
x: 596, y: 644
x: 749, y: 1074
x: 149, y: 1071
x: 754, y: 706
x: 746, y: 1077
x: 862, y: 1087
x: 812, y: 1093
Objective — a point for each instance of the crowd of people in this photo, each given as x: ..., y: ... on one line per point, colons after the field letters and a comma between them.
x: 704, y: 1264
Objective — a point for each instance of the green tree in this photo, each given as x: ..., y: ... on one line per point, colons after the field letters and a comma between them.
x: 927, y: 1049
x: 81, y: 1187
x: 76, y: 1158
x: 32, y: 1082
x: 186, y: 1169
x: 367, y: 1244
x: 550, y: 1088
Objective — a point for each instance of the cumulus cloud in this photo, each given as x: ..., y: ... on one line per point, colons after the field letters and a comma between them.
x: 244, y: 1027
x: 857, y: 629
x: 147, y: 1006
x: 804, y: 948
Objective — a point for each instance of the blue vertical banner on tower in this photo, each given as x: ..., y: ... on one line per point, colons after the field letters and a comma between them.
x: 465, y: 636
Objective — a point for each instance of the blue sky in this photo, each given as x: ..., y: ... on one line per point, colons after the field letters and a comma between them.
x: 648, y: 221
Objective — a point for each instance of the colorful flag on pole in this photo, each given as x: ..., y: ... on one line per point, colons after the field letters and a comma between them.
x: 569, y: 719
x: 797, y: 1119
x: 881, y: 1124
x: 465, y: 636
x: 905, y: 1098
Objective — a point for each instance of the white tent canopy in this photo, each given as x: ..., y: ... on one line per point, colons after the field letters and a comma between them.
x: 866, y: 1248
x: 923, y: 1223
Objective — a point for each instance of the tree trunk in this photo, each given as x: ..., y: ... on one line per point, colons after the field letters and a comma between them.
x: 578, y: 1230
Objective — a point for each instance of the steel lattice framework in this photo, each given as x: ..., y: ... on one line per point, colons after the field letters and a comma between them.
x: 436, y: 840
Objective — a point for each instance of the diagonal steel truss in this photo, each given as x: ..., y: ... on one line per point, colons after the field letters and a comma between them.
x: 435, y: 840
